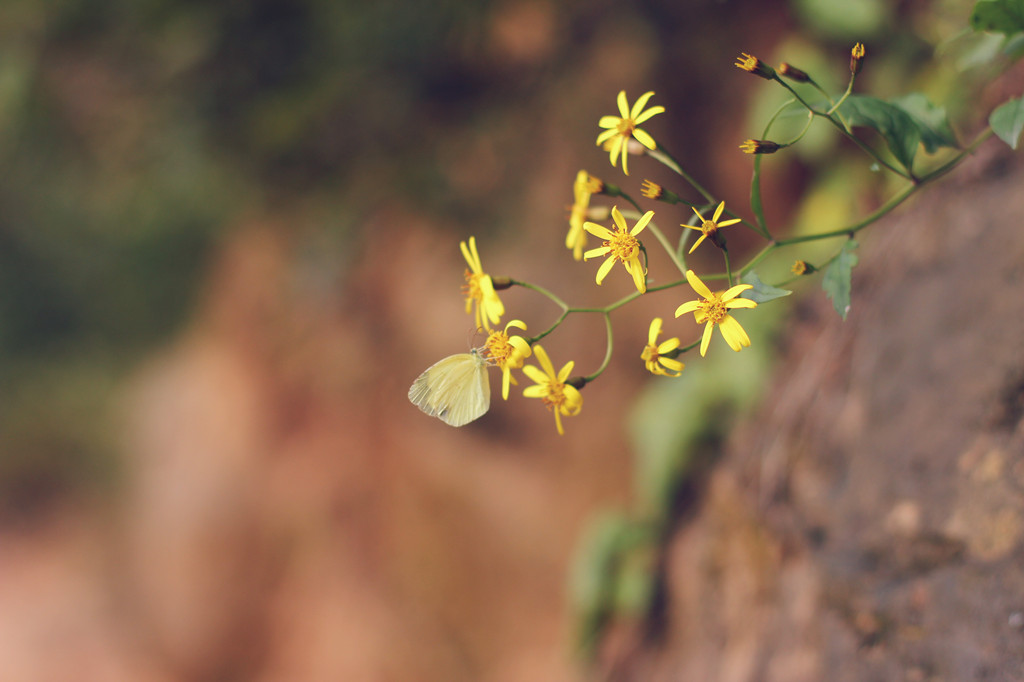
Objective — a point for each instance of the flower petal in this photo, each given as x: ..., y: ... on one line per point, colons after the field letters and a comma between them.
x: 471, y: 255
x: 736, y: 291
x: 620, y: 222
x: 671, y: 363
x: 706, y: 339
x: 634, y: 268
x: 605, y: 268
x: 697, y: 243
x: 563, y: 373
x: 544, y: 360
x: 731, y: 221
x: 640, y: 104
x: 687, y: 307
x: 539, y: 378
x: 718, y: 212
x: 623, y: 104
x: 596, y: 253
x: 610, y: 122
x: 506, y: 376
x: 654, y: 331
x: 535, y: 391
x: 734, y: 334
x: 668, y: 345
x: 607, y: 135
x: 653, y: 111
x: 741, y: 303
x: 697, y: 284
x: 642, y: 223
x: 599, y: 231
x: 644, y: 138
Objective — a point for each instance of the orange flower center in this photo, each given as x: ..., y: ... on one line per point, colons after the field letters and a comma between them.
x: 650, y: 354
x: 498, y: 347
x: 471, y: 288
x: 623, y: 245
x: 713, y: 309
x: 709, y: 227
x: 626, y: 127
x: 555, y: 397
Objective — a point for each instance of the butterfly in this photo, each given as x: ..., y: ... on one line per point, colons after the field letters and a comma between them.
x: 456, y: 389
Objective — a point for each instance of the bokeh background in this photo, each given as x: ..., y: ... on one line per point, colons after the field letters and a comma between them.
x: 228, y: 244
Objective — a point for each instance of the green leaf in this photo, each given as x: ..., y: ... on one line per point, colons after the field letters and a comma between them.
x: 899, y: 129
x: 761, y: 292
x: 999, y: 16
x: 931, y: 121
x: 836, y: 279
x: 1007, y: 121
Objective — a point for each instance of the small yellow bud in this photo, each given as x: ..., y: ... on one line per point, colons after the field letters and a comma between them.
x: 651, y: 190
x: 750, y: 63
x: 856, y: 57
x: 760, y: 147
x: 793, y: 73
x: 802, y: 268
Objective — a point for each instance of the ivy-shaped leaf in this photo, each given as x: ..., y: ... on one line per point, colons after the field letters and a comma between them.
x: 931, y: 121
x: 761, y: 292
x: 837, y: 276
x: 1007, y: 121
x: 999, y: 16
x: 899, y: 129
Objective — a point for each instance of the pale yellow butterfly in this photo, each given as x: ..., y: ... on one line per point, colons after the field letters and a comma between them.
x: 456, y: 389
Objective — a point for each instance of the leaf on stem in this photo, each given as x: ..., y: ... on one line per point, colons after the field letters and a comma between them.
x: 837, y: 276
x: 904, y: 123
x: 1007, y: 121
x: 761, y: 292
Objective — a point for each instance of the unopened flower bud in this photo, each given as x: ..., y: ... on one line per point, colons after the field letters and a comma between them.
x: 802, y: 267
x: 760, y: 147
x: 793, y: 73
x: 856, y: 58
x: 651, y: 190
x: 750, y: 63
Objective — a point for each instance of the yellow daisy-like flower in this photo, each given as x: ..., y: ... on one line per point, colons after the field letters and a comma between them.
x: 709, y: 228
x: 620, y: 245
x: 558, y: 396
x: 507, y: 353
x: 479, y: 288
x: 653, y: 353
x: 585, y: 186
x: 714, y: 309
x: 624, y: 126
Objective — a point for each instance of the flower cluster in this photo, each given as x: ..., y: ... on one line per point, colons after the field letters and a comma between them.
x: 457, y: 389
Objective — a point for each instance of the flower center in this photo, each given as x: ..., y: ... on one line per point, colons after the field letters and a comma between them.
x: 626, y: 127
x: 555, y: 397
x: 650, y: 354
x: 472, y: 286
x: 713, y: 309
x: 498, y: 347
x: 709, y: 227
x: 623, y: 245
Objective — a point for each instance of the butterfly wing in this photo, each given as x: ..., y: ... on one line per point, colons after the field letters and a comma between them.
x: 456, y: 390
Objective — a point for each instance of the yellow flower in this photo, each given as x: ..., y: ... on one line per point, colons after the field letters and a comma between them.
x: 620, y: 245
x: 749, y: 62
x: 558, y: 396
x: 479, y: 288
x: 714, y: 309
x: 507, y: 353
x: 624, y: 126
x: 799, y: 268
x: 653, y: 353
x: 582, y: 189
x: 709, y: 228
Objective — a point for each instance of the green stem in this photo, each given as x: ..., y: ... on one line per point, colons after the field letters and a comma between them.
x: 608, y: 350
x: 659, y: 154
x: 856, y: 140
